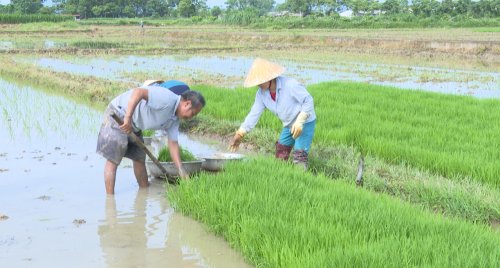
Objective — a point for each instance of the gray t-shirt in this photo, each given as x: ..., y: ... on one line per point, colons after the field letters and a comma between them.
x: 158, y: 113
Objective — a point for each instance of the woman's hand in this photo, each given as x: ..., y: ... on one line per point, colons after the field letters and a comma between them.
x: 236, y: 140
x: 296, y: 129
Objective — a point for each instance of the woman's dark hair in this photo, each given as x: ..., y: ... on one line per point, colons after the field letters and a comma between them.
x: 197, y: 100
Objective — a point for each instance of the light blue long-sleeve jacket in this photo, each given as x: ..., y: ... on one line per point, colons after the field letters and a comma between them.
x: 291, y: 99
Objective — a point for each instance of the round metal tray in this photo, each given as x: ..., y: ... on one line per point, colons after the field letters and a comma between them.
x: 189, y: 166
x: 147, y: 140
x: 216, y: 162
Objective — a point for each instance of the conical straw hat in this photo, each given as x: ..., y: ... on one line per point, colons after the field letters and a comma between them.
x: 262, y: 71
x: 150, y: 82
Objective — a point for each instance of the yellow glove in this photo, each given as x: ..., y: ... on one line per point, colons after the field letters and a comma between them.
x: 235, y: 142
x: 296, y: 129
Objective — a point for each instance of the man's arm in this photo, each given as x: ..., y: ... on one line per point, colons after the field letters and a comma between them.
x: 173, y: 147
x: 137, y: 95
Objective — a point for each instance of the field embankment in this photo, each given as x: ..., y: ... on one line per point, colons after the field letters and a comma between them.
x: 463, y: 45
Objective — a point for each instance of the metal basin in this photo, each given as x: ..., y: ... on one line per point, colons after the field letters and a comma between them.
x: 147, y: 140
x: 190, y: 167
x: 217, y: 161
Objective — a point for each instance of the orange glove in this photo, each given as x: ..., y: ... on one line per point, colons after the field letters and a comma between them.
x: 297, y: 126
x: 235, y: 142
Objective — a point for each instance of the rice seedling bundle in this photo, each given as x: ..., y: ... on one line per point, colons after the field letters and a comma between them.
x: 148, y: 133
x: 164, y: 155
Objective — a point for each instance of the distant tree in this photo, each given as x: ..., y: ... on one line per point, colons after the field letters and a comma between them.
x: 7, y: 9
x: 82, y: 7
x: 261, y: 5
x: 186, y: 8
x: 128, y: 11
x: 27, y: 6
x: 46, y: 10
x: 216, y: 11
x: 487, y: 8
x: 298, y: 6
x: 395, y: 6
x: 363, y: 6
x: 326, y: 7
x: 172, y: 4
x: 425, y: 8
x: 464, y: 7
x: 156, y: 8
x: 446, y: 7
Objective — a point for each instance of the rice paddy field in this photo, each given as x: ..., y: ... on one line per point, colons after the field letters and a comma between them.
x: 421, y: 107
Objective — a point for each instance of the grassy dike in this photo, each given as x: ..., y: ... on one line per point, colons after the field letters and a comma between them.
x: 460, y: 196
x: 279, y: 216
x: 93, y: 91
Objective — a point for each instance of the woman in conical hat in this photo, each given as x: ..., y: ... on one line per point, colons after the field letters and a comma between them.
x: 290, y: 101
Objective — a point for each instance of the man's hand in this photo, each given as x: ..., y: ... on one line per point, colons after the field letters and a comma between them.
x: 127, y: 125
x: 296, y: 129
x: 183, y: 174
x: 236, y: 140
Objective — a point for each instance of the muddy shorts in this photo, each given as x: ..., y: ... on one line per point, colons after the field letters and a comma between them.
x: 114, y: 144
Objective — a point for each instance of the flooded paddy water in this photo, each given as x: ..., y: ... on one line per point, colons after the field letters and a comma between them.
x: 54, y: 211
x: 229, y: 71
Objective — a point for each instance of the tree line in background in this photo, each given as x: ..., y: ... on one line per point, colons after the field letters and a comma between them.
x: 255, y: 8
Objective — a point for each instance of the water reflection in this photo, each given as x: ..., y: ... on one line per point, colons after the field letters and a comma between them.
x: 31, y: 44
x: 6, y: 45
x: 229, y: 72
x: 148, y: 233
x: 138, y: 237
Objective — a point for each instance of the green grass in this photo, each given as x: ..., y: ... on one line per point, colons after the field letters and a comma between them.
x: 488, y: 30
x: 95, y: 92
x: 19, y: 18
x: 279, y: 216
x: 96, y: 44
x: 164, y: 155
x: 451, y: 135
x: 251, y: 19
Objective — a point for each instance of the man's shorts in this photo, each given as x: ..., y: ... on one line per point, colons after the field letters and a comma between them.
x: 114, y: 144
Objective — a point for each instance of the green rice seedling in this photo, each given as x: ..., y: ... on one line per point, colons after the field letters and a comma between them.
x: 279, y: 216
x: 148, y: 133
x: 19, y: 18
x: 164, y: 155
x: 451, y: 135
x: 96, y: 44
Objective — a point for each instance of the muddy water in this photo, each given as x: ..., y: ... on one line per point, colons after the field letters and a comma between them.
x: 53, y: 208
x: 210, y: 69
x: 38, y: 44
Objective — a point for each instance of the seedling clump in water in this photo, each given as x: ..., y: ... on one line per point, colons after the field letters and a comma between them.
x: 164, y: 155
